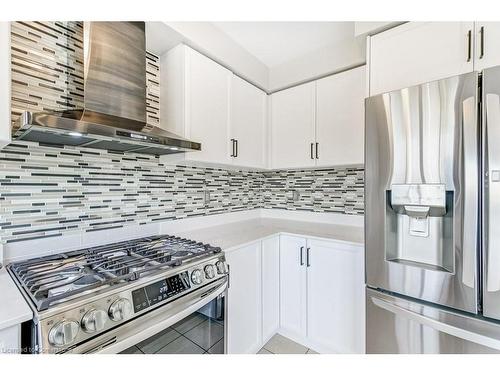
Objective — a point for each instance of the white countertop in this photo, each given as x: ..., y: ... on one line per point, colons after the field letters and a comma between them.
x: 14, y: 309
x: 232, y: 235
x: 228, y: 231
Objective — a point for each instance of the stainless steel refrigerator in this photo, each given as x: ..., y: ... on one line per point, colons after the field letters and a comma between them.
x: 432, y: 217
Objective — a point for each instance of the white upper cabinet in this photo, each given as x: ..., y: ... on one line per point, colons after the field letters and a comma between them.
x: 293, y: 127
x: 340, y: 118
x: 195, y: 102
x: 204, y: 102
x: 418, y: 52
x: 248, y: 124
x: 4, y: 83
x: 487, y: 42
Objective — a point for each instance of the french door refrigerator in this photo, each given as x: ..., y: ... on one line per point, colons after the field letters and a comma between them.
x: 432, y: 217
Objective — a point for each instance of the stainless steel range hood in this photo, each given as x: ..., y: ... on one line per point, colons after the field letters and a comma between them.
x: 114, y: 113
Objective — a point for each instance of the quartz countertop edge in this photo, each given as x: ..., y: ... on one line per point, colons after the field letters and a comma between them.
x: 238, y: 234
x: 15, y: 310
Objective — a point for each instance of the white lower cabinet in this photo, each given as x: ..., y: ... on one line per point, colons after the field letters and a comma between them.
x: 270, y: 287
x: 335, y: 297
x: 309, y: 290
x: 322, y: 294
x: 292, y: 285
x: 253, y: 295
x: 244, y: 316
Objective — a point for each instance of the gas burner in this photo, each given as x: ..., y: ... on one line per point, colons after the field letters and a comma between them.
x: 57, y: 278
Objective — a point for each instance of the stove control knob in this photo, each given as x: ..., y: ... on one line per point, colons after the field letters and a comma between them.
x: 196, y: 277
x: 64, y: 333
x: 94, y: 320
x: 120, y: 309
x: 221, y: 267
x: 209, y: 271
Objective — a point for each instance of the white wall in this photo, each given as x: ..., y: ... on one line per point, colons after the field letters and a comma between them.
x: 327, y: 60
x: 370, y: 28
x: 209, y: 40
x: 5, y: 83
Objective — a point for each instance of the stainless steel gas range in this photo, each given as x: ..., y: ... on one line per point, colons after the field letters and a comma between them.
x: 108, y: 298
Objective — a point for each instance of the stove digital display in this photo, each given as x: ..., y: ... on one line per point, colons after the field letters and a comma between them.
x: 161, y: 290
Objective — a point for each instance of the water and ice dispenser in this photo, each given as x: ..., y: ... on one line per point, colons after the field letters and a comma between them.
x: 419, y: 225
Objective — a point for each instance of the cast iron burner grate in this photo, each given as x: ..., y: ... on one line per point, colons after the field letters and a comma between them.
x: 57, y: 278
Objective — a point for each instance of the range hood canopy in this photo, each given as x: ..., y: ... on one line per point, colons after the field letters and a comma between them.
x: 114, y: 113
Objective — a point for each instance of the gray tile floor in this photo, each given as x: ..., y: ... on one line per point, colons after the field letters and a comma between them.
x: 282, y: 345
x: 196, y: 334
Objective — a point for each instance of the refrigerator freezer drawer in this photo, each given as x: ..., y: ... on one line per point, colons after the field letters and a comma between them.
x: 397, y: 325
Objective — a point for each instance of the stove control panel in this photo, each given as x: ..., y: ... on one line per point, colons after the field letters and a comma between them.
x: 154, y: 293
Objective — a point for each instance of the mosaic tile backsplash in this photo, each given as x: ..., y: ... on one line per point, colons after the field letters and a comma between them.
x: 47, y: 69
x: 47, y: 191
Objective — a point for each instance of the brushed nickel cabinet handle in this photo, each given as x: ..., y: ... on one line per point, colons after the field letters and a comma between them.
x: 317, y: 150
x: 232, y: 148
x: 308, y: 263
x: 301, y: 250
x: 312, y: 150
x: 236, y: 148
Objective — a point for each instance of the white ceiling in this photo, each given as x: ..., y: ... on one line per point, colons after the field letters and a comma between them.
x: 275, y: 43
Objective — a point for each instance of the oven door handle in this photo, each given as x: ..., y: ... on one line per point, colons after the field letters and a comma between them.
x: 151, y: 323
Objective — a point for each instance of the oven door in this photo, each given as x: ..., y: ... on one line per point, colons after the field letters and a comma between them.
x: 208, y: 301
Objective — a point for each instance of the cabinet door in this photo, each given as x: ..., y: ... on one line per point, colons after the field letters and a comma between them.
x: 340, y: 118
x: 293, y: 286
x: 248, y: 123
x: 207, y: 108
x: 244, y: 315
x: 335, y: 297
x: 418, y: 52
x: 270, y: 287
x: 487, y: 41
x: 292, y: 127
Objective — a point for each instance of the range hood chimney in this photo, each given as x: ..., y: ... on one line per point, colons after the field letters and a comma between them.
x: 114, y: 113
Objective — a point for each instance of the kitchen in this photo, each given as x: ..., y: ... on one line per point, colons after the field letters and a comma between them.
x: 239, y: 188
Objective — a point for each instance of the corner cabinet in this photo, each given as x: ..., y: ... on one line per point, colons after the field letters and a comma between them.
x: 418, y: 52
x: 322, y: 294
x: 292, y: 127
x: 248, y: 118
x: 205, y: 102
x: 5, y: 84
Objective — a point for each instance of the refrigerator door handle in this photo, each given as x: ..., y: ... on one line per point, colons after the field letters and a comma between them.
x: 492, y: 193
x: 449, y: 329
x: 471, y: 191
